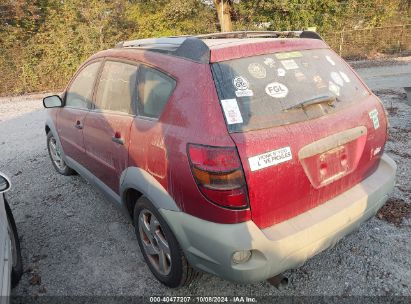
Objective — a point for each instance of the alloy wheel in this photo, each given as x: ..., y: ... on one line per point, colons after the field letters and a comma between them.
x: 56, y: 154
x: 154, y: 242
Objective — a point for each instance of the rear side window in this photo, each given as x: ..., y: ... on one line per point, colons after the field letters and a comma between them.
x: 264, y: 91
x: 154, y: 89
x: 117, y: 88
x: 81, y: 89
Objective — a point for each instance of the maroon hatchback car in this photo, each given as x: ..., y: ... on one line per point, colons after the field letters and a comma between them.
x: 239, y: 154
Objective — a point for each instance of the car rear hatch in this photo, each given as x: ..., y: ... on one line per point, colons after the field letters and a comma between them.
x: 306, y: 128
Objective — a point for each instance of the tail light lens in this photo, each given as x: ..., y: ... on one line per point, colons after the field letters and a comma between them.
x: 219, y: 175
x: 386, y: 116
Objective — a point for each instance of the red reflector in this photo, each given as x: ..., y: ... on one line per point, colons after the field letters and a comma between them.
x: 230, y: 198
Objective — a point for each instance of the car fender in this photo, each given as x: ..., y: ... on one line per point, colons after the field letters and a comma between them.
x: 142, y: 181
x: 51, y: 125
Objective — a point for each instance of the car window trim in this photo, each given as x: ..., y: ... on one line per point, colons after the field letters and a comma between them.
x: 79, y: 109
x: 88, y: 63
x: 94, y: 101
x: 149, y: 118
x: 126, y: 60
x: 111, y: 112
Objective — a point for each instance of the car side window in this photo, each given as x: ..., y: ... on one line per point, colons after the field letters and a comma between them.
x: 154, y: 89
x: 117, y: 87
x: 80, y: 92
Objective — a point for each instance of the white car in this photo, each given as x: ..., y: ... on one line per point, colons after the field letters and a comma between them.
x: 11, y: 267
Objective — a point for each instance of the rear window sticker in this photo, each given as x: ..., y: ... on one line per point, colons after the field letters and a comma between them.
x: 270, y: 158
x: 374, y: 117
x: 337, y: 78
x: 289, y: 64
x: 241, y: 83
x: 319, y: 83
x: 329, y: 59
x: 281, y: 72
x: 345, y: 77
x: 299, y: 76
x: 276, y: 90
x: 244, y: 93
x: 333, y: 88
x: 257, y: 70
x: 231, y: 111
x: 288, y: 55
x: 269, y: 62
x: 305, y: 64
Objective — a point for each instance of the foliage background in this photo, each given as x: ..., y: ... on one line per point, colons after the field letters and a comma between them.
x: 42, y: 42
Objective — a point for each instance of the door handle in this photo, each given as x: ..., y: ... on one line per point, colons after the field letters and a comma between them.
x: 118, y: 140
x: 78, y: 125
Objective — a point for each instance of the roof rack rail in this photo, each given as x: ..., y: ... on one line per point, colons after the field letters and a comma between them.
x: 249, y: 34
x: 262, y: 34
x: 187, y: 47
x: 193, y: 48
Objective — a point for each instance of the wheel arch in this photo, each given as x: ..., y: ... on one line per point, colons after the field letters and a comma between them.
x: 51, y: 127
x: 136, y: 182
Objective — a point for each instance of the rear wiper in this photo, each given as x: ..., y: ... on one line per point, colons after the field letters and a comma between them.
x: 329, y: 100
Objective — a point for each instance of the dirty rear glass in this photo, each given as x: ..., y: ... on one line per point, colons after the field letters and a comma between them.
x: 265, y: 91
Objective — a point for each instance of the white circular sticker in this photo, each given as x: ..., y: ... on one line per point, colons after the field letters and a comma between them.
x: 281, y: 72
x: 241, y: 83
x: 276, y: 90
x: 337, y: 79
x: 257, y: 70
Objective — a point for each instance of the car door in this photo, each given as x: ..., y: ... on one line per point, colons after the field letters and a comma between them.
x: 107, y: 126
x: 5, y: 253
x: 77, y: 101
x: 148, y: 133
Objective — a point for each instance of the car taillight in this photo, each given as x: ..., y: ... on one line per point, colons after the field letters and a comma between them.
x: 219, y: 175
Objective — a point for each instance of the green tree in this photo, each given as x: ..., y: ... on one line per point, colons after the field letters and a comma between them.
x: 326, y: 15
x: 42, y: 42
x: 154, y: 18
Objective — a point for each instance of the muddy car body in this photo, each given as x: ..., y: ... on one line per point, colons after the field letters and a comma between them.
x: 236, y: 154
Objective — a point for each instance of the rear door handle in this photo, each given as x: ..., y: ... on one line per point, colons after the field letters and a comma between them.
x: 78, y: 125
x: 118, y: 140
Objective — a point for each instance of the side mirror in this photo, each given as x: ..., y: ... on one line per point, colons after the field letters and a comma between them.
x: 4, y: 183
x: 53, y: 101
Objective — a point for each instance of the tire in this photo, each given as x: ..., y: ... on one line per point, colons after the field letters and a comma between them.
x: 176, y: 271
x: 17, y: 268
x: 56, y: 156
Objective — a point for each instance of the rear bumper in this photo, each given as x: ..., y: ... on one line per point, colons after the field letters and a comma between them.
x: 209, y: 246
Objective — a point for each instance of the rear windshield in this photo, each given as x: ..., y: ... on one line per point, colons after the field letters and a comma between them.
x: 265, y: 91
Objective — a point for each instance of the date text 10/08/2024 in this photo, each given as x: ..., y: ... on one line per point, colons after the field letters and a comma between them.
x: 204, y: 299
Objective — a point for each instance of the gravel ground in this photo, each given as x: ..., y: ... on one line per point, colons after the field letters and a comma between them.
x: 76, y: 243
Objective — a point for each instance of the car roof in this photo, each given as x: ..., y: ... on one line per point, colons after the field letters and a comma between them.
x: 225, y: 46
